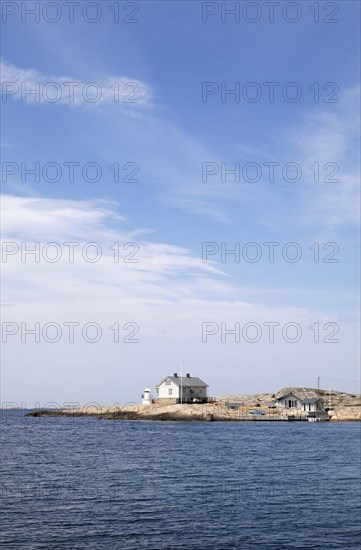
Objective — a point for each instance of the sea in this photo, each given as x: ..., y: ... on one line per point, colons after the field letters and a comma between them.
x: 85, y: 483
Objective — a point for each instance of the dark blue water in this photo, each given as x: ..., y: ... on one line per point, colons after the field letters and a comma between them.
x: 87, y: 483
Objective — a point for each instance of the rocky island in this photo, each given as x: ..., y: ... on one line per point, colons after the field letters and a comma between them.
x: 290, y: 403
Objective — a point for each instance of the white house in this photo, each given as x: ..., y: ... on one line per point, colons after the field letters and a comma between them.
x: 288, y: 401
x: 313, y: 404
x: 181, y: 389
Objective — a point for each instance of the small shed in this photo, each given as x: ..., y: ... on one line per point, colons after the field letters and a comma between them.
x: 313, y: 404
x: 147, y: 397
x: 233, y: 406
x: 288, y: 401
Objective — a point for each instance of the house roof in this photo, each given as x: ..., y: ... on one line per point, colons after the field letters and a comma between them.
x: 311, y: 400
x: 185, y: 381
x: 287, y: 395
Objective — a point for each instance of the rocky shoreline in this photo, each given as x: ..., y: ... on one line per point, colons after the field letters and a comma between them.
x: 342, y: 407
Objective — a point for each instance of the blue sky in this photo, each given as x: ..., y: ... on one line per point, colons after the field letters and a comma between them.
x: 169, y: 133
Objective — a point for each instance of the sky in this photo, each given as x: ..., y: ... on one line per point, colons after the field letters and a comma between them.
x: 142, y: 143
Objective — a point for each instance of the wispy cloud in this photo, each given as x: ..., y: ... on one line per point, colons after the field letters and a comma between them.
x: 32, y: 87
x: 161, y: 270
x: 330, y: 137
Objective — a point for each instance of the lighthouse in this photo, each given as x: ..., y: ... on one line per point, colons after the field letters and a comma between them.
x: 147, y: 398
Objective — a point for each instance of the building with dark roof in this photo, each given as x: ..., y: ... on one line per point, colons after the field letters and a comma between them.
x: 181, y: 389
x: 288, y: 401
x: 313, y: 404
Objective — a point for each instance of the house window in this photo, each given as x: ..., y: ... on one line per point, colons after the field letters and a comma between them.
x: 170, y: 391
x: 168, y: 382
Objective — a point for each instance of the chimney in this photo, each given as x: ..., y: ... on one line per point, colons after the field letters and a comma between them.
x: 188, y: 375
x: 175, y: 375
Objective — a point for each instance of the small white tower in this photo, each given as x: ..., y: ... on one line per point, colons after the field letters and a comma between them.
x: 147, y: 398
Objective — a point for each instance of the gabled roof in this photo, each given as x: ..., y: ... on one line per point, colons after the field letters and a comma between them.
x: 287, y: 395
x: 185, y: 381
x: 312, y: 400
